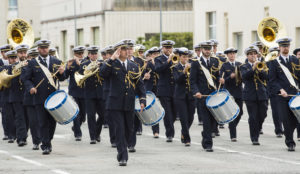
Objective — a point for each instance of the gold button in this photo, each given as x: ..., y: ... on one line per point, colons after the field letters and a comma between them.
x: 48, y: 88
x: 127, y: 87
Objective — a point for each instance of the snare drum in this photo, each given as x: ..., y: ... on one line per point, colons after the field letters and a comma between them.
x: 222, y: 106
x: 62, y: 107
x: 152, y: 113
x: 294, y: 105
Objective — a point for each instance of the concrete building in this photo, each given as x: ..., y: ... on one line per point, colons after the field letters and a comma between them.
x: 28, y: 10
x: 104, y: 22
x: 235, y: 22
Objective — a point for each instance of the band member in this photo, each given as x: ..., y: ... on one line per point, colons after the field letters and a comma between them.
x: 233, y: 84
x: 215, y: 49
x: 4, y: 61
x: 124, y: 84
x: 254, y: 92
x: 150, y: 79
x: 93, y: 94
x: 204, y: 79
x: 283, y: 78
x: 29, y: 106
x: 273, y: 101
x: 109, y: 50
x: 166, y: 86
x: 183, y: 97
x: 16, y: 95
x: 136, y: 58
x: 297, y: 54
x: 8, y: 111
x: 52, y: 52
x: 42, y: 71
x: 76, y: 91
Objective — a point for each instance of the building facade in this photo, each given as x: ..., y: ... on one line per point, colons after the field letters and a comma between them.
x: 235, y: 22
x: 106, y: 22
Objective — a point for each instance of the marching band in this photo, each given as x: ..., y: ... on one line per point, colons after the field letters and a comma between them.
x: 107, y: 92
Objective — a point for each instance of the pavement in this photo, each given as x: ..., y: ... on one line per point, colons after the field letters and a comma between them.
x: 155, y: 156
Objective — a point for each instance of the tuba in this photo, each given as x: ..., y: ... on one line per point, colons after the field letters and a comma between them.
x: 269, y: 30
x: 20, y: 32
x: 89, y: 70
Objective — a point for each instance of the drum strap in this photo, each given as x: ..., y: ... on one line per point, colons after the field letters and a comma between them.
x: 288, y: 74
x: 47, y: 73
x: 207, y: 75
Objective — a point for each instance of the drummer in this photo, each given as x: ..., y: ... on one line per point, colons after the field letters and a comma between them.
x: 183, y: 97
x: 282, y: 87
x: 203, y: 82
x: 33, y: 76
x: 254, y: 92
x: 121, y: 98
x: 233, y: 84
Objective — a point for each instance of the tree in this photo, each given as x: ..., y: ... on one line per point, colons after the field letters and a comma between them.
x: 181, y: 40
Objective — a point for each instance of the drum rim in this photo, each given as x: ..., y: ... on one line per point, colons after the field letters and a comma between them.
x: 232, y: 118
x: 154, y: 123
x: 60, y: 104
x: 149, y: 106
x: 221, y: 104
x: 71, y: 119
x: 291, y: 100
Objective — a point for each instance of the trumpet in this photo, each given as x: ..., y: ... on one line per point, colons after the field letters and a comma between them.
x: 261, y: 66
x: 174, y: 58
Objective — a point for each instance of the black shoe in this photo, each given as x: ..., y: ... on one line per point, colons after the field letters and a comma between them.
x: 113, y: 145
x: 98, y: 139
x: 221, y: 126
x: 217, y: 134
x: 123, y: 163
x: 35, y: 147
x: 233, y: 140
x: 11, y: 140
x: 46, y: 151
x: 255, y: 143
x: 105, y: 126
x: 22, y: 143
x: 5, y: 137
x: 93, y: 142
x: 213, y: 135
x: 78, y: 138
x: 291, y: 148
x: 187, y: 144
x: 279, y: 135
x: 50, y: 149
x: 156, y: 135
x: 131, y: 149
x: 200, y: 123
x: 261, y: 132
x: 209, y: 149
x: 169, y: 139
x: 139, y: 133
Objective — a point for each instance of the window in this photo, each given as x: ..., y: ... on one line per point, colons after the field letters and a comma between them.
x: 64, y: 44
x: 238, y: 42
x: 211, y: 25
x: 254, y: 36
x: 79, y: 36
x: 297, y: 37
x: 95, y: 35
x: 13, y: 9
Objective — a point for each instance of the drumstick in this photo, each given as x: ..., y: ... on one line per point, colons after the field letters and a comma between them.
x: 289, y: 95
x: 203, y: 95
x: 220, y: 84
x: 148, y: 72
x: 39, y: 83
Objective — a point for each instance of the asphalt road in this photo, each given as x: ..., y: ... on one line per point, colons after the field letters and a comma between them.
x: 155, y: 155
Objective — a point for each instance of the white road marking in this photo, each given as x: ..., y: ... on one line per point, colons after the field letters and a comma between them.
x: 239, y: 152
x: 20, y: 158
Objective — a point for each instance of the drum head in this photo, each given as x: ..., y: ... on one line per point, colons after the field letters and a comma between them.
x: 55, y: 99
x: 216, y: 99
x: 295, y: 102
x: 150, y: 97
